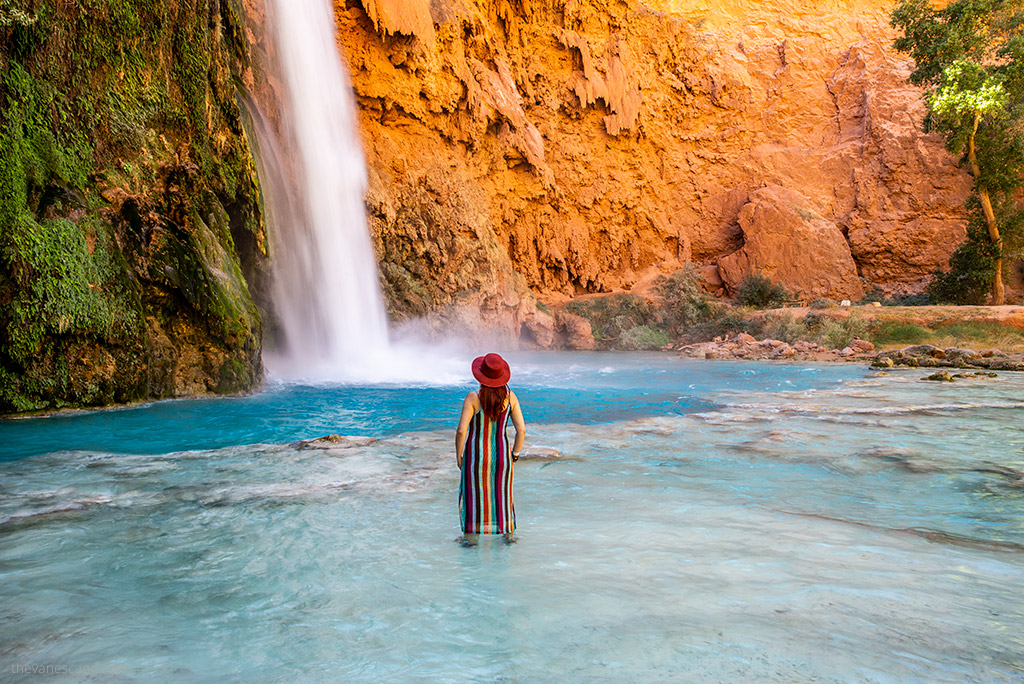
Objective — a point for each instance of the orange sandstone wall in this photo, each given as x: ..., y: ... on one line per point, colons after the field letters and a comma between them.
x: 557, y: 148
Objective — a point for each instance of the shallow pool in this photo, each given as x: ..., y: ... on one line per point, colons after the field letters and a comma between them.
x: 708, y: 521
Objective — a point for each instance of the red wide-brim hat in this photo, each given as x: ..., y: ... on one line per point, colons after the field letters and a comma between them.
x: 491, y: 370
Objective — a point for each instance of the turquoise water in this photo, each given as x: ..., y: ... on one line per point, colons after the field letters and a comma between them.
x: 583, y: 389
x: 708, y: 521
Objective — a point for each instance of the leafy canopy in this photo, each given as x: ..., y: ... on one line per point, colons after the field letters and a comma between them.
x: 968, y: 90
x: 970, y: 54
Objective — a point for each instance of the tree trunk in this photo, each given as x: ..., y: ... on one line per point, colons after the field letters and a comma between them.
x: 990, y: 219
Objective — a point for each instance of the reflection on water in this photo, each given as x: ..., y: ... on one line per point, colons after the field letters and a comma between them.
x: 790, y: 524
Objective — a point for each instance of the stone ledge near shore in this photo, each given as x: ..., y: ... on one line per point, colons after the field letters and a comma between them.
x: 928, y: 356
x: 746, y: 346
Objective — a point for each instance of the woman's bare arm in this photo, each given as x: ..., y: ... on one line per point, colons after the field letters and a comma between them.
x: 469, y: 407
x: 519, y: 423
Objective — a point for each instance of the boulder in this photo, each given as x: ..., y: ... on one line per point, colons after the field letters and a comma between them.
x: 1001, y: 363
x: 711, y: 278
x: 961, y: 357
x: 574, y: 331
x: 783, y: 351
x: 862, y: 346
x: 791, y: 244
x: 919, y: 350
x: 539, y: 328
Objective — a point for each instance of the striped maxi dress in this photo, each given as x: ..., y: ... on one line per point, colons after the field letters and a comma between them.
x: 485, y: 490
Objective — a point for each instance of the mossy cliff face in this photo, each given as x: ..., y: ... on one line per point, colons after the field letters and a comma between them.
x: 129, y: 204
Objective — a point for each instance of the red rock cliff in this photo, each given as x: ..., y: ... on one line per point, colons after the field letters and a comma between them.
x: 578, y: 146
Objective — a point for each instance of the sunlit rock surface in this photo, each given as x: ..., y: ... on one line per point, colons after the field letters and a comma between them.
x: 570, y: 148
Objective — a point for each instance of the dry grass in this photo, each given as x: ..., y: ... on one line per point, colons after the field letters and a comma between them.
x: 969, y: 334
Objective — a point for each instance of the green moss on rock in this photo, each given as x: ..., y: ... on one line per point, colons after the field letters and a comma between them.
x: 124, y: 170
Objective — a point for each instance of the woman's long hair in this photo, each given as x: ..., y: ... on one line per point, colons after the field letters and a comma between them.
x: 492, y: 400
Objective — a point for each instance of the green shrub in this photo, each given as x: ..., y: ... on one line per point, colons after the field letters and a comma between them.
x: 969, y: 278
x: 723, y: 320
x: 682, y: 302
x: 835, y: 333
x: 612, y: 315
x: 760, y: 292
x: 783, y: 327
x: 875, y: 294
x: 920, y: 299
x: 643, y: 337
x: 901, y: 334
x: 821, y: 303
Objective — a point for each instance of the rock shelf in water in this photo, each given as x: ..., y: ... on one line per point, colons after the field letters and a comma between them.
x: 335, y: 442
x: 745, y: 346
x: 928, y: 356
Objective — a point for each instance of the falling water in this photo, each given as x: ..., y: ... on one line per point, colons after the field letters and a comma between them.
x: 326, y: 293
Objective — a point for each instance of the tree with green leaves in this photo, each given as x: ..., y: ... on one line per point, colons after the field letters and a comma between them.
x: 970, y: 55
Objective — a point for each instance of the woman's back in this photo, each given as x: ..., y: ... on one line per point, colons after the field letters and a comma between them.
x: 486, y: 488
x: 483, y: 453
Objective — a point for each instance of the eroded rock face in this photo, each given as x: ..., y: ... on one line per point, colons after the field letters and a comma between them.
x: 592, y: 143
x: 574, y: 331
x: 791, y: 244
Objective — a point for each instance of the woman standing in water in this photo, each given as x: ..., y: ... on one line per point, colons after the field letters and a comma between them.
x: 482, y: 452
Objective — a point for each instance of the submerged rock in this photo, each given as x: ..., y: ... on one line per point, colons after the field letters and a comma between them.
x: 941, y: 376
x: 543, y: 454
x: 335, y: 442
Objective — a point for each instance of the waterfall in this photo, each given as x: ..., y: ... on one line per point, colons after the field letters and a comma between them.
x: 330, y: 319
